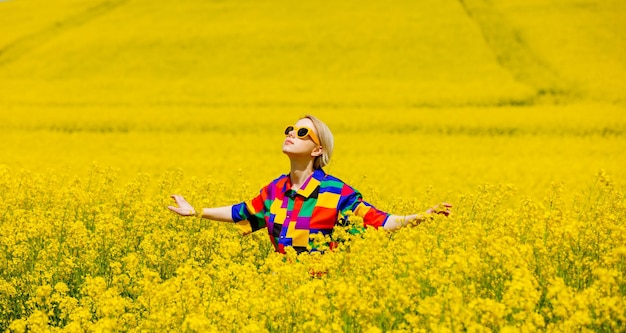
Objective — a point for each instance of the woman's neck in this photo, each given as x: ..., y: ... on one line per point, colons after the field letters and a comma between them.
x: 300, y: 172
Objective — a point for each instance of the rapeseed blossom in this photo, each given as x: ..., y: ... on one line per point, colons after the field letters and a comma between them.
x: 93, y: 264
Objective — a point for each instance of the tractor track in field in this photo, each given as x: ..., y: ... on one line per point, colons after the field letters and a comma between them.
x: 22, y: 46
x: 513, y: 53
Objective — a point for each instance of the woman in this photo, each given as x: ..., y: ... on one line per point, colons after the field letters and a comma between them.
x: 306, y: 201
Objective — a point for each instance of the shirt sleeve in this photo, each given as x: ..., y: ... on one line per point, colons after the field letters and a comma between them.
x: 250, y: 215
x: 353, y: 201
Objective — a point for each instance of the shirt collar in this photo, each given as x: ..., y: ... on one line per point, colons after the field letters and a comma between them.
x: 309, y: 185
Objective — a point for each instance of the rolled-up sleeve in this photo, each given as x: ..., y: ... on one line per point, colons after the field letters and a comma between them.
x: 250, y: 215
x: 352, y: 201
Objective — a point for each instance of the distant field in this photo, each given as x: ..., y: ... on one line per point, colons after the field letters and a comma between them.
x: 311, y: 54
x: 399, y: 151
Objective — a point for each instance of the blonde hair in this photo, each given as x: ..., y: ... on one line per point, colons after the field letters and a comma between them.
x: 326, y: 141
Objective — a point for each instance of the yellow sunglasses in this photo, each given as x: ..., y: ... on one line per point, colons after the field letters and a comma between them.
x: 302, y: 133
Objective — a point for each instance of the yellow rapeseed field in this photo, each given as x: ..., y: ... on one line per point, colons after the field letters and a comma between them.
x: 513, y: 112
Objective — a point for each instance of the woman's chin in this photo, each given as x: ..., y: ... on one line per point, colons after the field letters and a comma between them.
x: 291, y: 152
x: 287, y: 151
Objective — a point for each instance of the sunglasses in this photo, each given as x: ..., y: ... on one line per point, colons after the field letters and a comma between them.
x: 302, y: 133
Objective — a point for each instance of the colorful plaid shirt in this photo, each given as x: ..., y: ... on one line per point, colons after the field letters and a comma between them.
x: 291, y: 217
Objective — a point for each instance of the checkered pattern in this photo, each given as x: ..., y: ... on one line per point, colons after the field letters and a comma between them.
x: 291, y: 217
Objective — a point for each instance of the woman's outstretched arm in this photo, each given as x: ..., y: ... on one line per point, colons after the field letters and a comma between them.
x: 223, y: 214
x: 398, y: 221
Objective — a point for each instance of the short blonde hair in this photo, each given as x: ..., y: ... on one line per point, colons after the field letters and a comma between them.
x: 326, y: 141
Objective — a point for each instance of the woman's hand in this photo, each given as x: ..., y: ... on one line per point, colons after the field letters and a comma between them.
x: 398, y: 221
x: 184, y: 208
x: 442, y: 208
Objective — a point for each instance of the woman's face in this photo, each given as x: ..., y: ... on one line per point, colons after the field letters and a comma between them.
x: 301, y: 147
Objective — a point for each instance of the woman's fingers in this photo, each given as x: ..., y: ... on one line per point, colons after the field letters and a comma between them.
x: 184, y: 208
x: 182, y: 211
x: 174, y: 209
x: 180, y: 201
x: 443, y: 208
